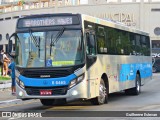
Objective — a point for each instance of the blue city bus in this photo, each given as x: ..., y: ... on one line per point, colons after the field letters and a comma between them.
x: 65, y: 57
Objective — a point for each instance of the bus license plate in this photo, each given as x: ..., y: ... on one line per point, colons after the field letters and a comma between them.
x: 45, y: 92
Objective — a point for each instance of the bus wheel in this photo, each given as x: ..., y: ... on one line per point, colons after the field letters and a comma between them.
x: 47, y: 102
x: 103, y: 95
x: 137, y: 89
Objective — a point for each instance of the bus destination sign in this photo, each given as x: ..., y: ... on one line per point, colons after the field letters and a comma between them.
x: 49, y: 21
x: 46, y: 21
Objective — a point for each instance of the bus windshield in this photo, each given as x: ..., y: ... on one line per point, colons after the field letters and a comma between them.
x: 50, y: 49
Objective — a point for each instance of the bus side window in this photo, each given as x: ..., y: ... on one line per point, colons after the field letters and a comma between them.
x: 101, y: 40
x: 138, y: 45
x: 133, y: 44
x: 144, y: 45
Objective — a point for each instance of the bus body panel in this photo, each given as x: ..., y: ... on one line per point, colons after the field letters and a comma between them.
x: 120, y: 70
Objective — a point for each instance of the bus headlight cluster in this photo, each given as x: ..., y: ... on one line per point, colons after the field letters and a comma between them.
x: 76, y: 81
x: 20, y: 83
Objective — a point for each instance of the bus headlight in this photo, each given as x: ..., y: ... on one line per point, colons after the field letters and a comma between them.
x: 20, y: 83
x: 72, y: 83
x: 20, y: 93
x: 76, y: 81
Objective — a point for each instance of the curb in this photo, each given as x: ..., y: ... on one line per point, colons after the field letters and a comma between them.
x: 4, y: 82
x: 5, y: 85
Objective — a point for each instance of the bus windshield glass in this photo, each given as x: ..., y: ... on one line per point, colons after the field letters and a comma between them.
x: 50, y: 49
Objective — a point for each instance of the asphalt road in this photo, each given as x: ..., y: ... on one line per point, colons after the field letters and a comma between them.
x: 147, y: 102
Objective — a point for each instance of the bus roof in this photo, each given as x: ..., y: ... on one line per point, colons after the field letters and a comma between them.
x: 106, y: 22
x: 113, y: 24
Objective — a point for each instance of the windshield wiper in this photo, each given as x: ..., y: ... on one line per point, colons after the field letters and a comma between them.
x: 34, y: 39
x: 53, y: 41
x: 36, y: 42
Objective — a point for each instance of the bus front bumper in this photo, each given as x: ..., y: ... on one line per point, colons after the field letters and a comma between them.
x: 79, y: 91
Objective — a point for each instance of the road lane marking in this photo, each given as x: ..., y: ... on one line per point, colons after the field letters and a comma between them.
x: 68, y: 107
x: 52, y: 107
x: 17, y: 104
x: 149, y: 107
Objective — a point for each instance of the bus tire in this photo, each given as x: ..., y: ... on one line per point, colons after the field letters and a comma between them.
x: 103, y: 95
x: 47, y: 102
x: 137, y: 89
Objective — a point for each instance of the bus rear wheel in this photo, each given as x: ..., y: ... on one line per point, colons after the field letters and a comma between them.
x: 137, y: 89
x: 47, y: 102
x: 103, y: 95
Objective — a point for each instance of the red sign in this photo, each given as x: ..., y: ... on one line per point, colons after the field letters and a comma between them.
x: 45, y: 92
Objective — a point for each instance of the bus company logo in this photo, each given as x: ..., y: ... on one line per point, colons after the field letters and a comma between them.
x: 45, y: 76
x: 6, y: 114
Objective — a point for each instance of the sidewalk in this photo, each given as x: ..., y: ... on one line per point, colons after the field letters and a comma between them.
x: 5, y: 92
x: 5, y: 95
x: 5, y: 84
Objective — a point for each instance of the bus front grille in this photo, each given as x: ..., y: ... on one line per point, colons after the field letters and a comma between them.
x: 51, y: 73
x: 55, y: 90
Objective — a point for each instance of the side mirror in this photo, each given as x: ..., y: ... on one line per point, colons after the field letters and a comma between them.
x: 91, y: 50
x: 90, y: 40
x: 91, y: 45
x: 10, y: 45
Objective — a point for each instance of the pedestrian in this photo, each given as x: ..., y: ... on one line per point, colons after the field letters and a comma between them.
x: 1, y: 62
x: 12, y: 69
x: 6, y: 60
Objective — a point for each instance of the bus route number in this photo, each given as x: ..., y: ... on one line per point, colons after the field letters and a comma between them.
x: 58, y: 82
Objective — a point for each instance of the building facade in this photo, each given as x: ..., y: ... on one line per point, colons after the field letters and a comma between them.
x: 141, y: 15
